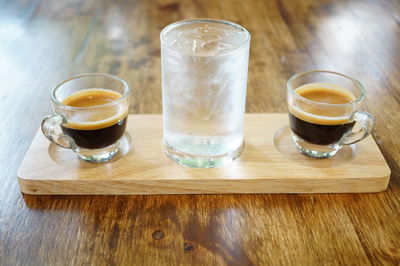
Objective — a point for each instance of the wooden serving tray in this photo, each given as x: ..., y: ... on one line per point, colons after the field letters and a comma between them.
x: 269, y: 164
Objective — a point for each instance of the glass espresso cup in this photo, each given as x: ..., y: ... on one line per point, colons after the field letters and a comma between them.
x: 324, y: 112
x: 90, y: 117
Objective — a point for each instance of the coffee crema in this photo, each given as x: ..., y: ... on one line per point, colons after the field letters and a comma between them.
x: 91, y: 97
x: 95, y: 128
x: 319, y: 124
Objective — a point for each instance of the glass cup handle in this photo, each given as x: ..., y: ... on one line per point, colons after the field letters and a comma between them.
x: 364, y: 123
x: 51, y: 128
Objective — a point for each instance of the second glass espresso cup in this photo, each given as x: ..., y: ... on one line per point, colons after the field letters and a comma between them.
x: 90, y: 117
x: 324, y: 112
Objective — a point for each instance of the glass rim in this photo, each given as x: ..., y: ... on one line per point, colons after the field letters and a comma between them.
x: 301, y: 74
x: 210, y: 20
x: 105, y: 75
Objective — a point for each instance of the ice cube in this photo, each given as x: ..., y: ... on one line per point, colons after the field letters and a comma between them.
x: 205, y: 39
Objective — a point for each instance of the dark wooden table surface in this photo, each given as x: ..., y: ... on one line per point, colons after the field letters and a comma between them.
x: 43, y: 42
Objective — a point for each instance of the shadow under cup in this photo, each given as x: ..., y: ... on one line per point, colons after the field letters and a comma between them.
x: 324, y: 112
x: 90, y: 117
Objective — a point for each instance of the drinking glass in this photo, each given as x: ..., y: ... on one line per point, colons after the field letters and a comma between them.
x: 204, y: 75
x: 319, y: 128
x: 93, y: 132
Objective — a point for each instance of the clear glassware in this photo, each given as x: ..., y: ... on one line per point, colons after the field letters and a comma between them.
x: 204, y: 77
x: 319, y: 128
x: 92, y: 132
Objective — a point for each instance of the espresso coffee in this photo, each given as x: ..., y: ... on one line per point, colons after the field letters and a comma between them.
x: 316, y: 125
x: 95, y: 128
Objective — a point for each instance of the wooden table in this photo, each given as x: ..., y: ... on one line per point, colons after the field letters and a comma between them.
x: 43, y: 42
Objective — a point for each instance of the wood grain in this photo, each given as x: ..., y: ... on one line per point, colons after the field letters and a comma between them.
x: 269, y: 164
x: 45, y: 41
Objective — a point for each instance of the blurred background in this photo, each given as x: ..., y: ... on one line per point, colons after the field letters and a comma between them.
x: 43, y: 42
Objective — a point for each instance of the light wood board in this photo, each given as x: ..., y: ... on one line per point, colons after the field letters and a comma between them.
x: 269, y: 164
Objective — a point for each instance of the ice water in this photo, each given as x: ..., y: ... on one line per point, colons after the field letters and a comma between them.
x: 204, y: 76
